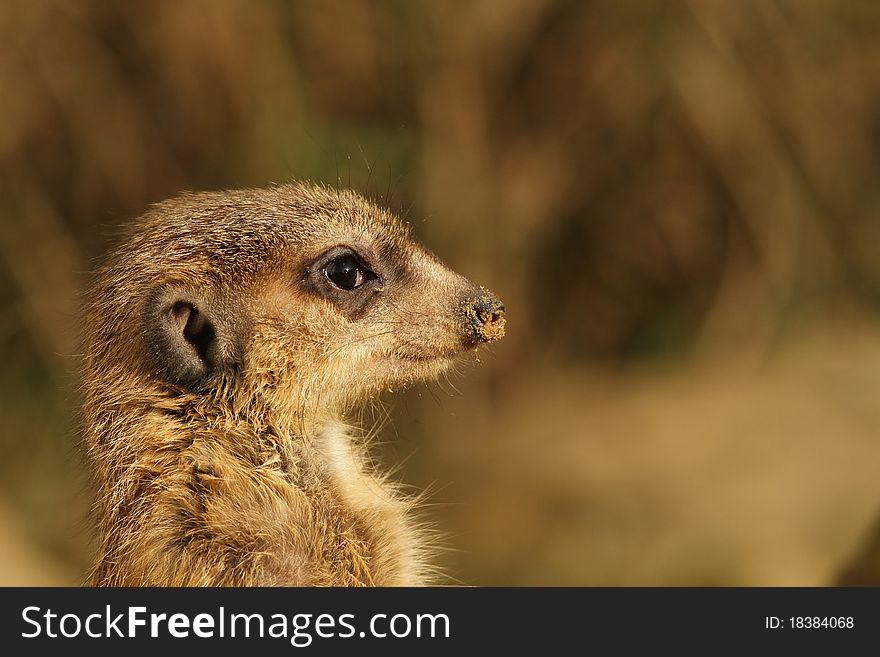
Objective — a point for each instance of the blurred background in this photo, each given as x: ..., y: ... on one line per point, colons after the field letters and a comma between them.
x: 679, y: 203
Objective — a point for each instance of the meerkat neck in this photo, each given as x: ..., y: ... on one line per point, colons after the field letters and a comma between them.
x: 187, y: 492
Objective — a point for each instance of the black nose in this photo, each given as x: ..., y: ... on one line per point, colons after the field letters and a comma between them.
x: 486, y: 314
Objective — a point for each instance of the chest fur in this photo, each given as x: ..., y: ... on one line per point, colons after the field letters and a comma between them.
x: 310, y: 511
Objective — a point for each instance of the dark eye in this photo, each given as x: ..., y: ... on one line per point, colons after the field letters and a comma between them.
x: 346, y: 272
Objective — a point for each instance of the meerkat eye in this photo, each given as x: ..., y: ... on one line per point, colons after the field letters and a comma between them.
x: 346, y: 272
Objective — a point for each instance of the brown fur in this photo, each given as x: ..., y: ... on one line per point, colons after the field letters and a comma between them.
x: 250, y: 476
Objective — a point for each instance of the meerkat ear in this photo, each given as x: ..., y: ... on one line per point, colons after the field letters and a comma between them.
x: 192, y: 339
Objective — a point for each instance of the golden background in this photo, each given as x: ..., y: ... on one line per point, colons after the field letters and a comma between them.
x: 678, y: 202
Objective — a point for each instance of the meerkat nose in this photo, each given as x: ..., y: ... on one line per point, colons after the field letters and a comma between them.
x: 487, y: 317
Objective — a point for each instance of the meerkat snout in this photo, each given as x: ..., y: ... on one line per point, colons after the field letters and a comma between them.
x: 227, y: 339
x: 487, y: 317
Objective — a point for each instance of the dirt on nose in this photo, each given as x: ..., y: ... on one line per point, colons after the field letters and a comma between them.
x: 489, y: 323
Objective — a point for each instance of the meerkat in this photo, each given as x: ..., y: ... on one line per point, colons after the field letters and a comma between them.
x: 228, y: 337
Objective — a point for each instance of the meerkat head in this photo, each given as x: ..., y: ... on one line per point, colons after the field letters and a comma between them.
x: 312, y: 298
